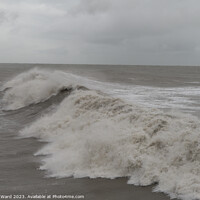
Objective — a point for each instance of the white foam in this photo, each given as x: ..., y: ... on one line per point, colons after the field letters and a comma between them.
x: 94, y: 135
x: 34, y: 86
x: 180, y: 98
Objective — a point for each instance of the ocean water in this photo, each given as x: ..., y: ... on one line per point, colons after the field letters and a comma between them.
x: 60, y: 122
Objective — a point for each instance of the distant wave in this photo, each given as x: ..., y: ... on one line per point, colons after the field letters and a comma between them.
x: 92, y: 134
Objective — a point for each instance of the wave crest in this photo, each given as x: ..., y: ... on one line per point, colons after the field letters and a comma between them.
x: 33, y: 87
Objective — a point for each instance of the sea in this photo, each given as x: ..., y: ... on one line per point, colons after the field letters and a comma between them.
x: 99, y: 132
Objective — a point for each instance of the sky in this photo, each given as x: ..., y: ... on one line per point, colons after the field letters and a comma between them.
x: 133, y: 32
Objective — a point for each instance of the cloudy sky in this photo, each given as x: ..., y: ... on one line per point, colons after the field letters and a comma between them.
x: 165, y: 32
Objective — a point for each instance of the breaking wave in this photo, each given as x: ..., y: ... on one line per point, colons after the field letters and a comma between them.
x: 92, y: 134
x: 33, y: 87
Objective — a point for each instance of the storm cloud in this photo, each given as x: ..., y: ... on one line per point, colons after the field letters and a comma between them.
x: 161, y: 32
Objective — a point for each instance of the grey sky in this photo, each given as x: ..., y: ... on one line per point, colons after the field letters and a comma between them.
x: 100, y: 31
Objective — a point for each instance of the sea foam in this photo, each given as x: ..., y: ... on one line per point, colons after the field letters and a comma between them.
x: 32, y: 87
x: 92, y: 134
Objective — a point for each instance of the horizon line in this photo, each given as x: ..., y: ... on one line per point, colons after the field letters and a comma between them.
x: 37, y: 63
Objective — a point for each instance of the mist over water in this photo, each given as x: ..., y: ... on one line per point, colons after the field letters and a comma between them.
x: 102, y: 122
